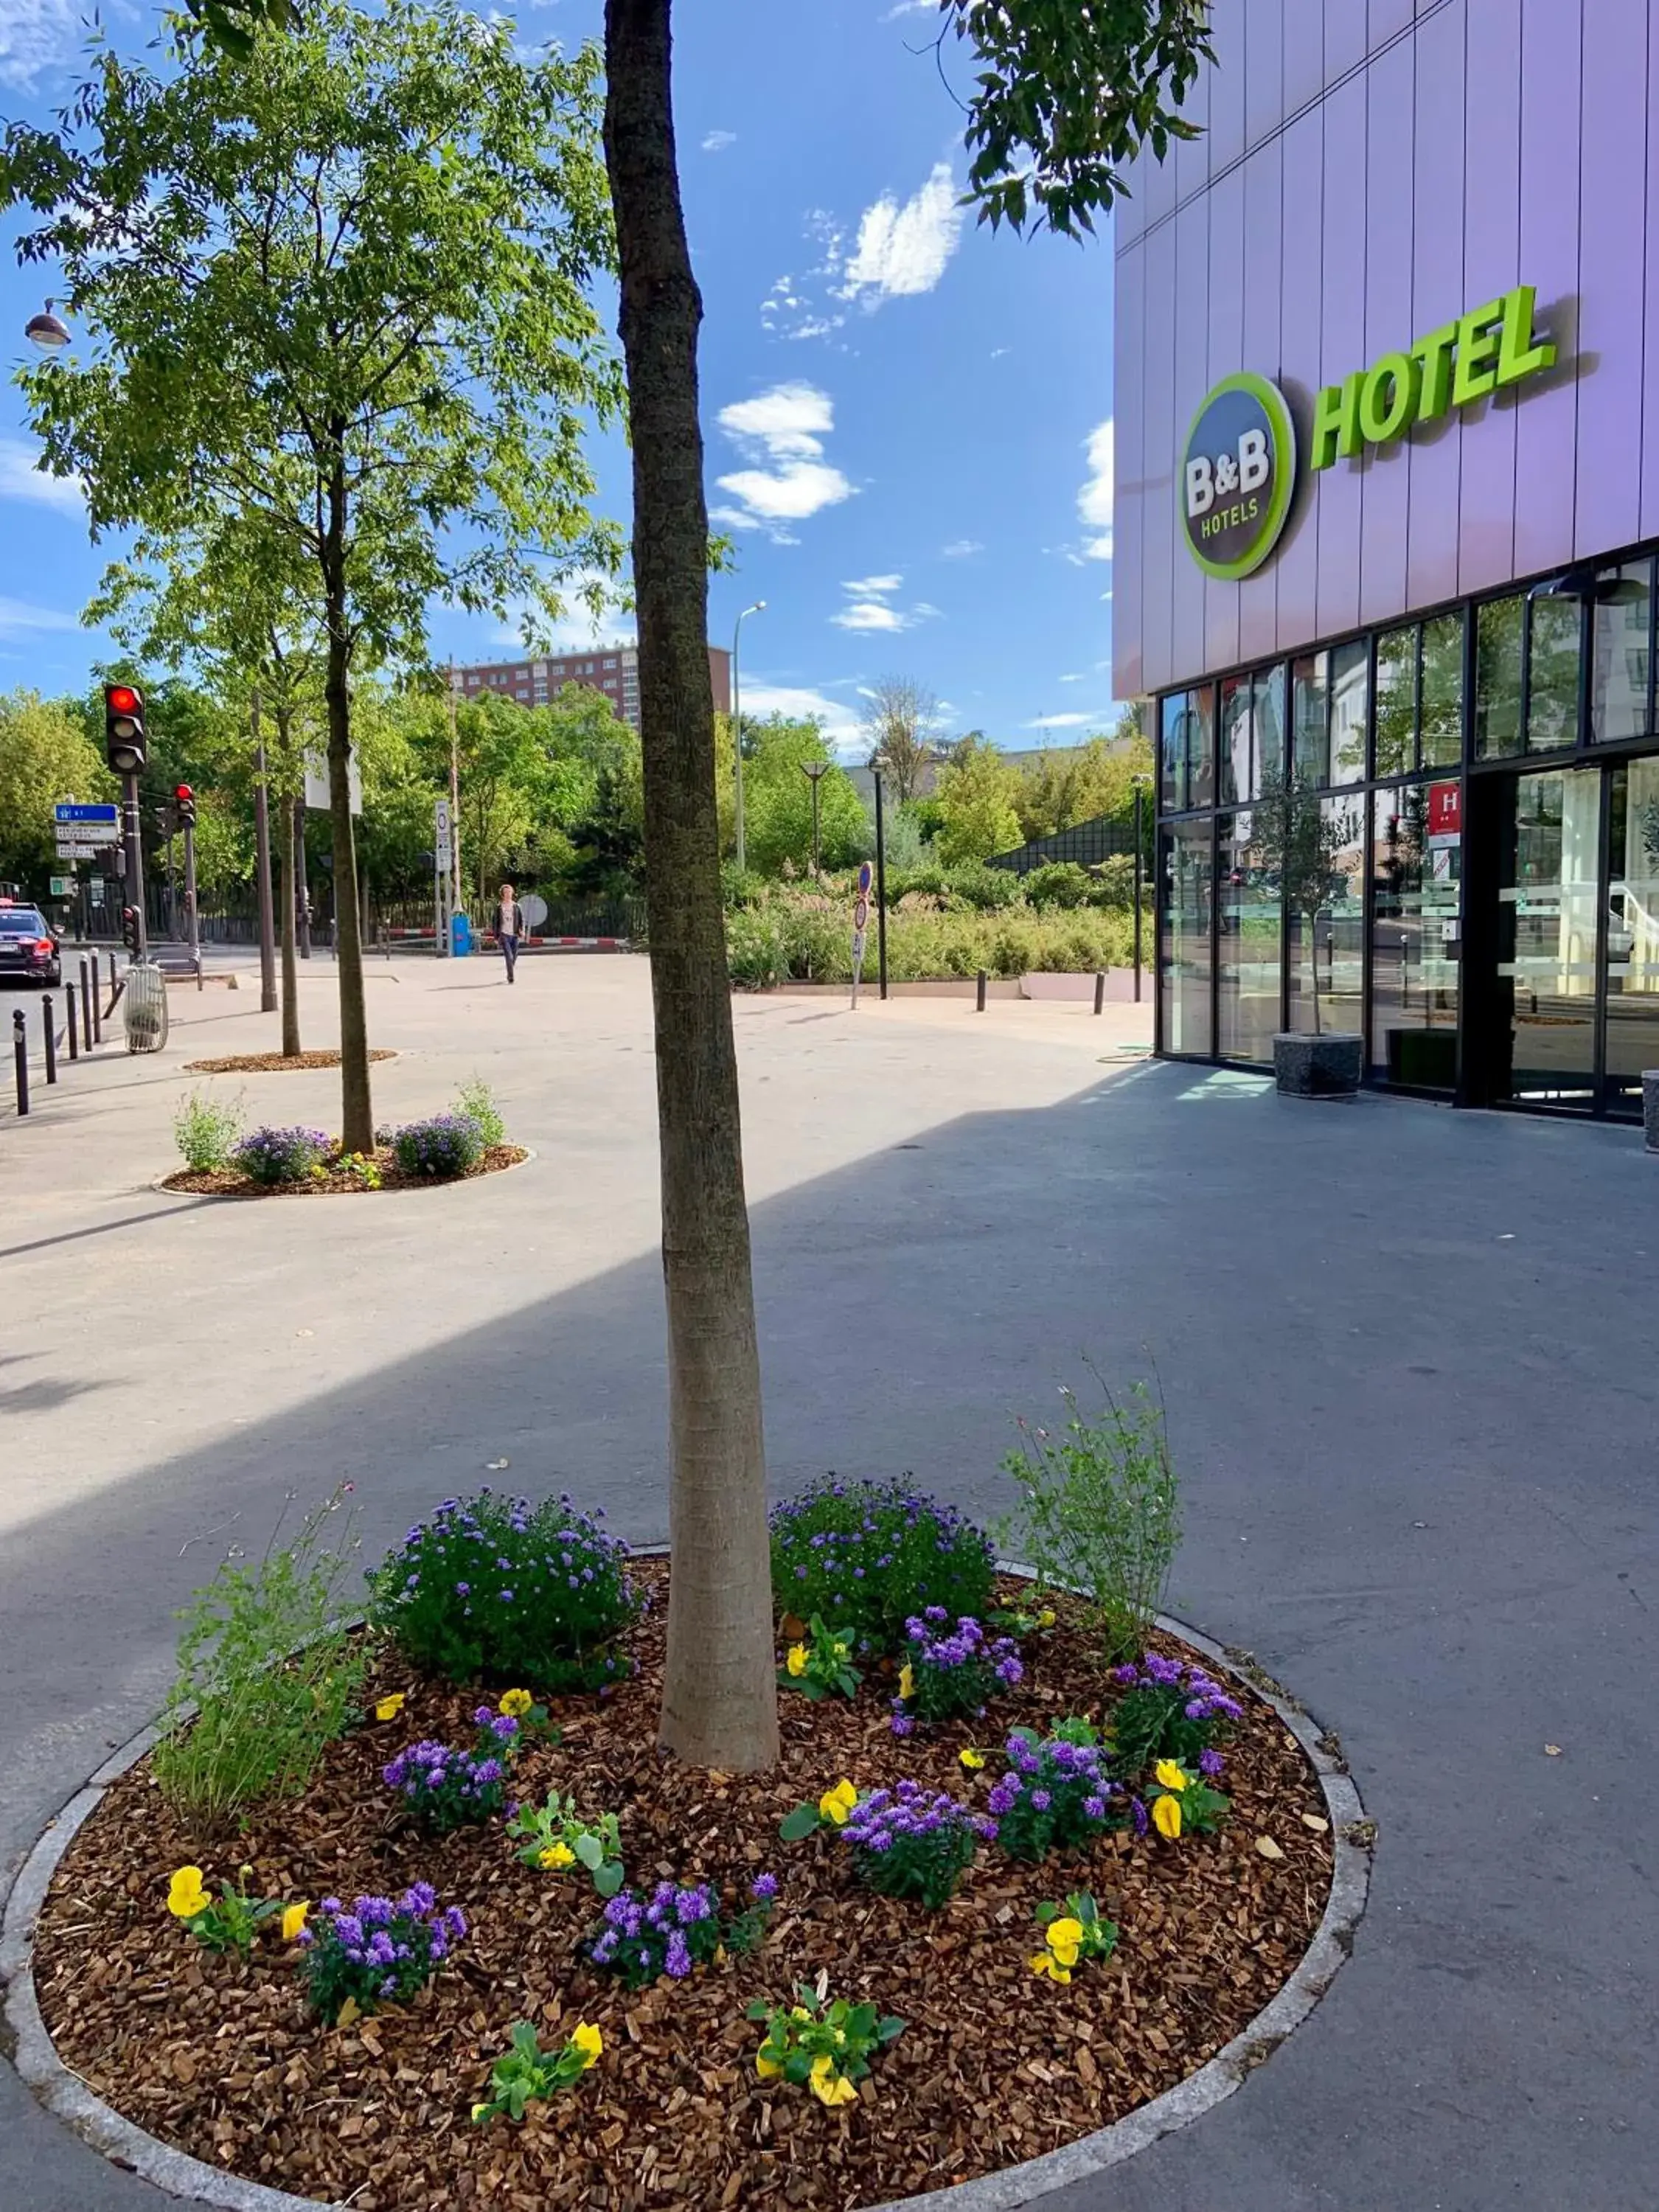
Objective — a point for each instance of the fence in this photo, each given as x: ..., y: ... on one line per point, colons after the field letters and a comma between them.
x: 1088, y: 843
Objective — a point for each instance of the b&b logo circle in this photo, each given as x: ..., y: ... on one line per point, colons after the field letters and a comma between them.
x: 1237, y: 474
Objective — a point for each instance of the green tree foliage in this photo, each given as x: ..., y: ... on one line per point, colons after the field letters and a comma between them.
x: 978, y: 799
x: 1080, y: 783
x: 45, y: 755
x: 777, y: 799
x: 901, y: 733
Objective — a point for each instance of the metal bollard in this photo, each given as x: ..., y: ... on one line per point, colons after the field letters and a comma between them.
x: 88, y: 1021
x: 1100, y: 989
x: 979, y: 997
x: 19, y: 1053
x: 51, y: 1030
x: 69, y: 1024
x: 114, y: 993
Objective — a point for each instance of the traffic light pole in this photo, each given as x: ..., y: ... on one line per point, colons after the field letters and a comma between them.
x: 262, y: 846
x: 134, y: 854
x: 189, y: 899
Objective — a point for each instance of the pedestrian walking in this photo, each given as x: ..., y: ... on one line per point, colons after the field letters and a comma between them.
x: 509, y: 928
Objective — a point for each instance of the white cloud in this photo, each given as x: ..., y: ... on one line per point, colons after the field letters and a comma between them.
x: 718, y: 141
x: 797, y: 704
x: 575, y: 630
x: 910, y: 8
x: 870, y: 614
x: 903, y: 251
x: 871, y: 588
x: 22, y: 477
x: 783, y: 430
x: 959, y: 549
x: 1094, y: 501
x: 19, y: 619
x: 1081, y: 676
x: 1064, y: 722
x: 33, y: 35
x: 870, y: 607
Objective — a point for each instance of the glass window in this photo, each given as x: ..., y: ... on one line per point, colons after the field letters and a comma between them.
x: 1441, y: 717
x: 1351, y: 697
x: 1268, y: 713
x: 1325, y: 918
x: 1497, y: 630
x: 1632, y: 1000
x: 1249, y: 939
x: 1619, y: 652
x: 1396, y: 702
x: 1187, y: 750
x: 1310, y: 732
x: 1186, y: 908
x: 1552, y: 674
x: 1235, y: 749
x: 1416, y: 871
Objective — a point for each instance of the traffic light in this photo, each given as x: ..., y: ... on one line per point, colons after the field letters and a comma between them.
x: 130, y: 929
x: 124, y: 745
x: 185, y: 799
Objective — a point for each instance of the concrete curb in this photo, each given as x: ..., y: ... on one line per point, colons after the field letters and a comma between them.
x: 63, y: 2093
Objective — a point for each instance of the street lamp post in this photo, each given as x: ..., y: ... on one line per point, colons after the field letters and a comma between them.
x: 815, y: 772
x: 758, y: 608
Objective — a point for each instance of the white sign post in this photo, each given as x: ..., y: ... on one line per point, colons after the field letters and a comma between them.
x: 442, y: 871
x: 861, y: 923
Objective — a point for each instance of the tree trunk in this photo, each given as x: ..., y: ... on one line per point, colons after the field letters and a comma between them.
x: 290, y: 902
x: 719, y: 1695
x: 356, y: 1108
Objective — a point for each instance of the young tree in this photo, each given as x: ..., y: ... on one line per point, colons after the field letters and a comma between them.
x: 45, y: 755
x: 778, y: 798
x: 340, y: 282
x: 1302, y: 835
x: 900, y: 726
x: 977, y: 798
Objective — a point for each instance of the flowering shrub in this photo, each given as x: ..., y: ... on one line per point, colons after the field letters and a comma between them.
x: 949, y: 1673
x: 555, y: 1837
x: 378, y: 1951
x: 443, y: 1145
x: 493, y: 1585
x: 1169, y: 1711
x: 1181, y: 1800
x: 869, y: 1554
x: 911, y: 1842
x: 234, y: 1921
x: 273, y: 1156
x: 1056, y: 1795
x: 824, y: 2045
x: 822, y: 1666
x: 1073, y: 1931
x: 674, y: 1930
x: 527, y: 2070
x: 476, y: 1101
x: 447, y: 1788
x: 359, y: 1165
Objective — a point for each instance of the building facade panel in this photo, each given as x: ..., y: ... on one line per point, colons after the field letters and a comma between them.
x: 1439, y: 295
x: 1301, y: 304
x: 1192, y: 234
x: 1226, y: 93
x: 1157, y: 572
x: 1650, y: 522
x: 1304, y: 52
x: 1341, y: 346
x: 1546, y: 423
x: 1611, y: 295
x: 1385, y: 496
x: 1264, y: 262
x: 1225, y: 328
x: 1129, y: 501
x: 1264, y: 70
x: 1491, y: 267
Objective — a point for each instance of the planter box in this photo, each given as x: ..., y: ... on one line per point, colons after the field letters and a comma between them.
x: 1326, y: 1066
x: 1650, y: 1107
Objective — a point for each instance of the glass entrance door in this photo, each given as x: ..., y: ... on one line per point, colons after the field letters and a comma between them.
x: 1549, y: 897
x: 1632, y: 960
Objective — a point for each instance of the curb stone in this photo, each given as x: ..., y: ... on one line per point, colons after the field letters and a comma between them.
x: 30, y: 2047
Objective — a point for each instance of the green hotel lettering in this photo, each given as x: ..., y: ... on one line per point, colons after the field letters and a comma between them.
x: 1481, y: 352
x: 1231, y: 518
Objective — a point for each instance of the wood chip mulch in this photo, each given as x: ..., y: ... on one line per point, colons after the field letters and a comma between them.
x: 231, y: 1183
x: 223, y: 2059
x: 272, y: 1063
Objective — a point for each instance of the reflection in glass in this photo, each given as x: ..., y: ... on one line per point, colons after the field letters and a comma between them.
x: 1249, y: 943
x: 1267, y: 709
x: 1415, y: 892
x: 1547, y: 908
x: 1310, y: 737
x: 1325, y: 899
x: 1441, y: 714
x: 1185, y: 749
x: 1498, y: 628
x: 1396, y: 701
x: 1619, y: 652
x: 1236, y: 749
x: 1350, y: 710
x: 1184, y: 915
x: 1632, y: 933
x: 1553, y: 675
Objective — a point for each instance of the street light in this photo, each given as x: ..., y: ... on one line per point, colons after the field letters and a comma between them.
x: 815, y: 771
x: 759, y: 608
x: 46, y: 330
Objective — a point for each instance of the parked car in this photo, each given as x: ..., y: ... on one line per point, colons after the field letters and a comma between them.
x: 28, y: 950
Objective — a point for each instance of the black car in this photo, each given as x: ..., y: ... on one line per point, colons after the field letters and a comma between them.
x: 28, y: 951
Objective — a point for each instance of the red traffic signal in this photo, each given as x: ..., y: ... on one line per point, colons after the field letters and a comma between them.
x: 122, y: 699
x: 125, y: 744
x: 184, y: 799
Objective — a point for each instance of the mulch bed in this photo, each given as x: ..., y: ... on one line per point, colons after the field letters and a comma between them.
x: 270, y: 1063
x: 223, y: 2058
x: 231, y: 1183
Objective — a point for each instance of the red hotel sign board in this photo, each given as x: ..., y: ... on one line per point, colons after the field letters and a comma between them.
x: 1445, y: 813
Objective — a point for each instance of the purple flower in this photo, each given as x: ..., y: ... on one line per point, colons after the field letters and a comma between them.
x: 1040, y: 1800
x: 764, y: 1884
x: 1211, y: 1762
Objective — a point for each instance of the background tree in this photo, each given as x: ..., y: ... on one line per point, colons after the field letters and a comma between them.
x: 45, y: 755
x: 977, y: 798
x: 901, y: 727
x: 341, y: 282
x: 777, y: 799
x: 1301, y: 836
x: 1080, y: 783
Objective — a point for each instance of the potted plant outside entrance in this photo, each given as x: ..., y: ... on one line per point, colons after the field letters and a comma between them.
x: 1305, y: 840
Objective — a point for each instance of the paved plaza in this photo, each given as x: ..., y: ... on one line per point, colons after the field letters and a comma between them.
x: 1410, y: 1383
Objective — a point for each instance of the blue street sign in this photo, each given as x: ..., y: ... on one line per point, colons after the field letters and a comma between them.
x: 67, y: 810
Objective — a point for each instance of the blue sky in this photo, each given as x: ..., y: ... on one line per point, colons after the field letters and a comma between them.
x: 907, y: 420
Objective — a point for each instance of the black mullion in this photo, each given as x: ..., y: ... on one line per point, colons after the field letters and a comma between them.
x: 1599, y: 1020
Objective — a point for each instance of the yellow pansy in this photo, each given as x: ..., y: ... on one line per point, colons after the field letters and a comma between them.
x: 515, y: 1703
x: 557, y: 1855
x: 185, y: 1895
x: 1166, y: 1817
x: 1046, y: 1963
x: 480, y: 2113
x: 294, y: 1919
x: 388, y: 1709
x: 1065, y: 1940
x: 972, y: 1759
x: 906, y: 1680
x: 835, y: 1804
x: 796, y: 1662
x: 1046, y: 1618
x: 1169, y: 1776
x: 798, y: 2012
x: 587, y: 2039
x: 829, y: 2087
x: 768, y: 2069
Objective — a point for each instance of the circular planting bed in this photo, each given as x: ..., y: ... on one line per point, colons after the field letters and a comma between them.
x: 1018, y: 2037
x: 334, y: 1173
x: 272, y: 1063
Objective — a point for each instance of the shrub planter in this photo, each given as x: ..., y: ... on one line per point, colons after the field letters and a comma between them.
x: 998, y: 2085
x: 1650, y: 1107
x: 1324, y: 1067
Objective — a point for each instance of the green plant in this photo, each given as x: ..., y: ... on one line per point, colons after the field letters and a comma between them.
x: 1181, y: 1800
x: 821, y: 2043
x: 1056, y: 1795
x: 1100, y: 1510
x: 495, y: 1586
x: 822, y: 1665
x: 1169, y: 1710
x: 229, y: 1925
x: 278, y: 1155
x: 206, y: 1128
x: 359, y: 1165
x: 526, y: 2071
x: 913, y: 1843
x: 950, y: 1672
x: 380, y: 1951
x: 555, y: 1836
x: 476, y: 1102
x: 754, y: 949
x: 871, y: 1554
x: 270, y: 1671
x: 445, y: 1787
x: 443, y: 1145
x: 1057, y: 883
x: 670, y: 1930
x: 1074, y: 1932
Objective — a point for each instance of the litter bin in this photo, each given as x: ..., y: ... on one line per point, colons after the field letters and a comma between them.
x: 144, y: 1003
x: 461, y: 935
